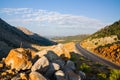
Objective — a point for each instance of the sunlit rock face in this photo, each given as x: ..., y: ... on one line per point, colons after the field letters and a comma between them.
x: 19, y: 59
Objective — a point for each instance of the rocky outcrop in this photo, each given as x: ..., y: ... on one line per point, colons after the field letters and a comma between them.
x: 21, y: 64
x: 19, y: 59
x: 110, y: 52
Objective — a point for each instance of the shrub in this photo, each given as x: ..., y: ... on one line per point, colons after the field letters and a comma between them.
x: 102, y: 76
x: 85, y: 68
x: 114, y: 75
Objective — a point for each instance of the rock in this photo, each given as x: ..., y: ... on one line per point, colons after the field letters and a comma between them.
x: 10, y: 72
x: 82, y: 75
x: 60, y: 62
x: 70, y: 75
x: 1, y: 65
x: 51, y: 56
x: 52, y: 68
x: 36, y: 76
x: 19, y: 59
x: 41, y: 65
x: 59, y: 49
x: 23, y: 76
x: 70, y: 65
x: 59, y: 75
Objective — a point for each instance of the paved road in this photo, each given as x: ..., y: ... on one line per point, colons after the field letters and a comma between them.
x: 95, y: 58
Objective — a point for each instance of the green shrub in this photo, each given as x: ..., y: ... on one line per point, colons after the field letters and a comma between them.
x: 85, y: 68
x: 114, y: 75
x: 102, y: 76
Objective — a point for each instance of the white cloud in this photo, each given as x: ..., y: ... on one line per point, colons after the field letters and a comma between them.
x: 28, y: 15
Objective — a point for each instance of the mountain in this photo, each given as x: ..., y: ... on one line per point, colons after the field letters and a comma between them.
x: 12, y: 37
x: 105, y: 42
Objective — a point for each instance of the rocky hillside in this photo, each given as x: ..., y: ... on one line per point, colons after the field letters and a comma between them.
x: 59, y: 62
x: 25, y: 64
x: 105, y: 42
x: 12, y: 37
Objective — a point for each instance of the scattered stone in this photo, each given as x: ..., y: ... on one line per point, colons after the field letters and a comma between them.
x: 23, y: 76
x: 60, y: 62
x: 41, y: 65
x: 52, y: 68
x: 70, y: 65
x: 36, y: 76
x: 70, y: 75
x: 82, y: 75
x: 1, y: 65
x: 59, y: 75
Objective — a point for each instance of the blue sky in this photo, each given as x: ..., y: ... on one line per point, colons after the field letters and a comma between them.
x: 60, y: 17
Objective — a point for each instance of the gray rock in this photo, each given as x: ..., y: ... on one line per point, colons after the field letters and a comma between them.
x: 52, y: 68
x: 51, y: 56
x: 69, y: 66
x: 41, y: 65
x: 82, y: 75
x: 60, y: 62
x: 70, y: 75
x: 59, y: 75
x: 36, y: 76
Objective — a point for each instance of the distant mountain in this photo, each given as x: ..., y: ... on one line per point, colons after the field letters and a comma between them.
x: 12, y: 37
x: 66, y: 39
x: 105, y: 42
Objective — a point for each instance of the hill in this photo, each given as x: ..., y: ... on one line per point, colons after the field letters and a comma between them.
x: 76, y: 38
x: 12, y: 37
x: 105, y: 42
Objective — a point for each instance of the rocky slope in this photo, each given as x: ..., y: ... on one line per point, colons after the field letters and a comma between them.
x: 99, y: 41
x: 12, y: 37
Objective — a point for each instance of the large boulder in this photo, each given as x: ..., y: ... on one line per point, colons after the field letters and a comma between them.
x: 41, y: 65
x: 19, y: 59
x: 36, y: 76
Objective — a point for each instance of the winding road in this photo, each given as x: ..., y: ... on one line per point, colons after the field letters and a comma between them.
x: 94, y: 57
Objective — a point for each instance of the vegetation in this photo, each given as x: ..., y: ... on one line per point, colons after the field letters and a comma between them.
x: 77, y: 38
x: 114, y: 75
x: 113, y: 29
x: 94, y: 70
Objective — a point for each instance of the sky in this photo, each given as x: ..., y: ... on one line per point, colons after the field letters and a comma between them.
x: 60, y: 17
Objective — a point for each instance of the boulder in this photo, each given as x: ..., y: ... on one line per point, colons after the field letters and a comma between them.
x: 70, y: 75
x: 82, y: 75
x: 59, y: 75
x: 60, y: 62
x: 41, y: 65
x: 59, y: 49
x: 36, y: 76
x: 52, y: 68
x: 51, y: 56
x: 70, y: 65
x: 19, y: 59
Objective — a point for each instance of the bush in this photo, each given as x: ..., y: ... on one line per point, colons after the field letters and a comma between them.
x: 102, y: 76
x: 114, y: 75
x: 85, y: 68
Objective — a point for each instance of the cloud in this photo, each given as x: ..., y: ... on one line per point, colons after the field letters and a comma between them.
x: 56, y: 19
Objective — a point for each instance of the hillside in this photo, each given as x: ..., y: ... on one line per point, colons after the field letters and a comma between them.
x: 113, y: 29
x: 76, y: 38
x: 105, y: 42
x: 12, y: 37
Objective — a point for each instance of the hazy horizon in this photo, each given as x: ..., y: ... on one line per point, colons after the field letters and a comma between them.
x: 60, y: 17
